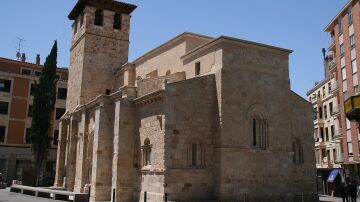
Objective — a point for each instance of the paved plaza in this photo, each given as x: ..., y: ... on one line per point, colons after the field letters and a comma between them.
x: 7, y: 196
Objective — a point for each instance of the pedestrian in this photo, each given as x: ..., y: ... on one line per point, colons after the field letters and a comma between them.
x: 353, y: 191
x: 344, y: 192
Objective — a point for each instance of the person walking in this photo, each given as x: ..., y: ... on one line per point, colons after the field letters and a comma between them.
x: 353, y: 191
x: 344, y: 192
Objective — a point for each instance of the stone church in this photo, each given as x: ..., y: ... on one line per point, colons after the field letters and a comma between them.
x: 195, y: 119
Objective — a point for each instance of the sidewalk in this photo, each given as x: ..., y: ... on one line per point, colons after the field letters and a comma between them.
x: 332, y: 199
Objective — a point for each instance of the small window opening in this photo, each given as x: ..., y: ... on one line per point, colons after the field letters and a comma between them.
x: 117, y: 21
x: 197, y: 68
x: 147, y: 152
x: 107, y: 91
x: 99, y: 15
x: 194, y: 155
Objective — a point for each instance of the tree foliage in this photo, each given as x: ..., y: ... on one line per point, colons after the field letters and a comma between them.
x: 43, y: 107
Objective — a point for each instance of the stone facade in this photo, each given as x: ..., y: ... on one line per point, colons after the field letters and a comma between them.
x: 190, y: 120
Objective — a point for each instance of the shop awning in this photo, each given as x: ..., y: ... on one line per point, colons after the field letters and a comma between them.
x: 333, y: 175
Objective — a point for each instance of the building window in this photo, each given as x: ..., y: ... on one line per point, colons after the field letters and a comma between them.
x: 5, y: 85
x: 325, y: 112
x: 117, y: 21
x: 28, y: 136
x: 329, y: 87
x: 57, y: 76
x: 59, y: 112
x: 340, y: 25
x: 342, y: 50
x: 352, y: 41
x: 147, y: 152
x: 2, y: 134
x: 56, y: 137
x: 37, y: 73
x: 348, y: 124
x: 322, y: 133
x: 350, y: 149
x: 331, y: 108
x: 62, y: 93
x: 332, y: 128
x: 26, y: 71
x: 4, y: 106
x: 345, y: 95
x: 29, y: 113
x: 32, y: 89
x: 326, y: 134
x: 194, y: 155
x: 197, y: 68
x: 356, y: 90
x: 99, y: 15
x: 354, y: 66
x: 350, y: 16
x: 315, y: 113
x: 343, y: 73
x: 320, y: 113
x: 259, y: 134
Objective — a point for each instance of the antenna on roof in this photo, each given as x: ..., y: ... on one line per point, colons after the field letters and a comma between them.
x: 19, y: 44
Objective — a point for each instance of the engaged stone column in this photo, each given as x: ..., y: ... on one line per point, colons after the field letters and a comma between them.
x: 124, y: 182
x: 82, y: 144
x: 71, y: 155
x: 60, y: 158
x: 102, y: 153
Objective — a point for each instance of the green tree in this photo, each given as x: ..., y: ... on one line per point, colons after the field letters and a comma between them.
x: 43, y: 107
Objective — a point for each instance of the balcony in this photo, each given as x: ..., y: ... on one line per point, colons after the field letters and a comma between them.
x: 332, y: 65
x: 338, y: 134
x: 334, y: 87
x: 331, y: 43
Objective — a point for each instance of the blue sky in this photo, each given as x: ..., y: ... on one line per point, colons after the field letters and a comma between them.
x: 293, y: 24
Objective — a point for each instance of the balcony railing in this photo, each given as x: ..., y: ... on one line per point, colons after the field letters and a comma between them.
x: 334, y: 87
x: 332, y: 65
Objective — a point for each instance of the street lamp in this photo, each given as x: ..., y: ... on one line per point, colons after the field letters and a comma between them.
x: 352, y: 108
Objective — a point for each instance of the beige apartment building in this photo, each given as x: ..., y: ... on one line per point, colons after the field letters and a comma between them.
x: 188, y: 121
x: 327, y: 130
x: 344, y: 30
x: 16, y: 85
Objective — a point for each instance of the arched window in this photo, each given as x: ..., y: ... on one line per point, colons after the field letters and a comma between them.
x: 259, y: 133
x: 146, y: 152
x: 117, y: 21
x: 99, y: 15
x: 258, y: 125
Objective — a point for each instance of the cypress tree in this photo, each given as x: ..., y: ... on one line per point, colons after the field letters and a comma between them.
x: 43, y: 107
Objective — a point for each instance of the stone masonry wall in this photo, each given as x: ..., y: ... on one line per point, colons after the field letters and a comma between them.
x: 190, y: 119
x: 151, y: 127
x: 95, y: 52
x: 125, y: 172
x: 255, y: 81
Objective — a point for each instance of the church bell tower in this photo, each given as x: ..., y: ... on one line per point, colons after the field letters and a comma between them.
x: 100, y: 43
